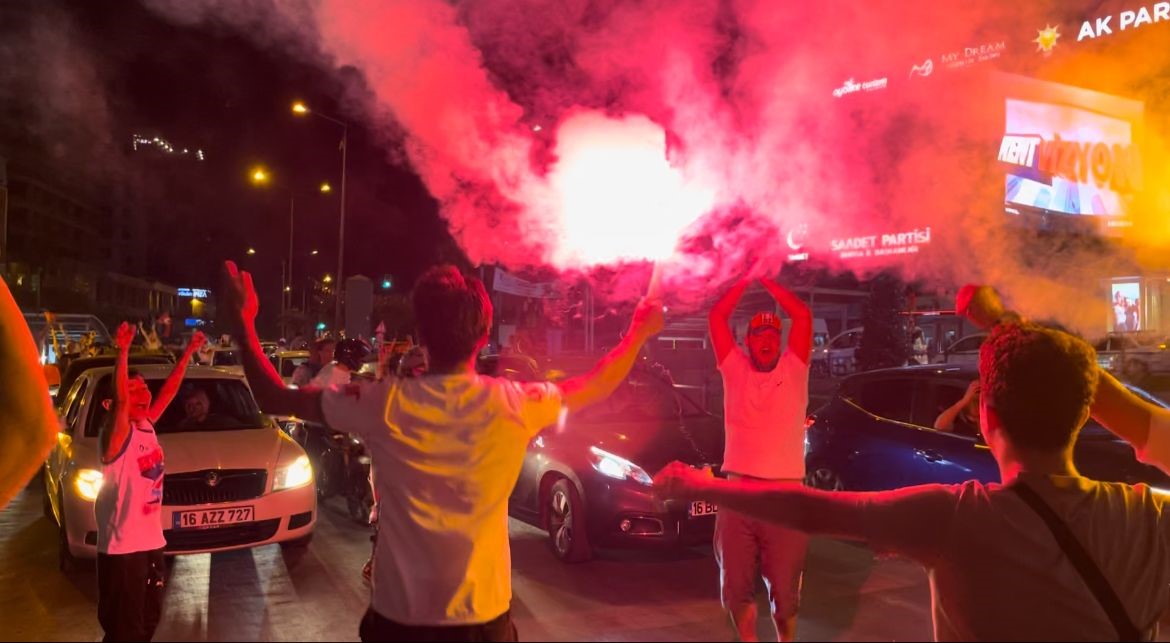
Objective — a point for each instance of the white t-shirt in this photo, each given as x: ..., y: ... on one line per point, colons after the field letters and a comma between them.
x: 129, y: 504
x: 331, y: 375
x: 764, y: 415
x: 448, y: 450
x: 996, y: 571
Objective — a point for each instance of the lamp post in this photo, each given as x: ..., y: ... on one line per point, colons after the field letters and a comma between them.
x: 261, y: 177
x: 302, y: 109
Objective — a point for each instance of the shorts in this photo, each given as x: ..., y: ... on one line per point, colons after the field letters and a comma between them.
x: 746, y: 548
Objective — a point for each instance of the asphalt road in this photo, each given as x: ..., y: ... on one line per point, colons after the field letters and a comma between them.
x: 260, y: 594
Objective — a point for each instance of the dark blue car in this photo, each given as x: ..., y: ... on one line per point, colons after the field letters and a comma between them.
x: 876, y: 433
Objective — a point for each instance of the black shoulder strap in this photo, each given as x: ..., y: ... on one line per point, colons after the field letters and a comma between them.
x: 1083, y: 563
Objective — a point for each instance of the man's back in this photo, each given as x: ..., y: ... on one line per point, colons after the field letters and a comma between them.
x: 448, y: 450
x: 997, y: 572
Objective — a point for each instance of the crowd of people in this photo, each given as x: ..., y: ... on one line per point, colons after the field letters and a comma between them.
x: 1045, y: 554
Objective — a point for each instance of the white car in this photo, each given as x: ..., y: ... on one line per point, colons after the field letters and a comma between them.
x: 286, y: 363
x: 964, y: 351
x: 842, y: 351
x: 232, y: 482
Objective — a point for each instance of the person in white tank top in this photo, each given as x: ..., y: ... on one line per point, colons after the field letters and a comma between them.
x: 129, y: 528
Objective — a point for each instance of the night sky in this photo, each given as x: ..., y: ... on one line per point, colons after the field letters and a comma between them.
x: 212, y: 89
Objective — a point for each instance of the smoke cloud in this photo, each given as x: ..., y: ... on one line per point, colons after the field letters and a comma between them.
x: 800, y: 123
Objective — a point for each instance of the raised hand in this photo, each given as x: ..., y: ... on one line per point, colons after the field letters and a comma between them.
x: 648, y: 318
x: 240, y: 294
x: 198, y: 339
x: 124, y: 336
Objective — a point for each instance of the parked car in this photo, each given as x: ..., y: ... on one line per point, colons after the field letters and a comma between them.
x: 286, y: 363
x: 964, y: 351
x: 842, y: 351
x: 587, y: 483
x: 237, y: 460
x: 226, y: 357
x: 1134, y: 356
x: 876, y: 434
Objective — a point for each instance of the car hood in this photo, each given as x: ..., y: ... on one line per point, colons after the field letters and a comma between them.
x: 654, y: 444
x: 245, y: 449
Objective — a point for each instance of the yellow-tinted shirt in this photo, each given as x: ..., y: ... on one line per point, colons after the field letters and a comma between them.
x: 448, y: 450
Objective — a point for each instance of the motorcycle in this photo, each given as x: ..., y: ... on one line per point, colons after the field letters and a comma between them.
x: 341, y: 463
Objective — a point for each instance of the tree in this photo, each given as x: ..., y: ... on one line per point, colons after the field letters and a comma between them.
x: 883, y: 343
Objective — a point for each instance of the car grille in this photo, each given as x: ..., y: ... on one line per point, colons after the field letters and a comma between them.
x: 180, y: 540
x: 196, y: 488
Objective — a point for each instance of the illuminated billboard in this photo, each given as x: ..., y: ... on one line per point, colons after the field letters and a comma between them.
x: 1069, y: 152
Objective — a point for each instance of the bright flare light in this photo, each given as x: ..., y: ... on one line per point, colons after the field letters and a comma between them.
x: 617, y: 196
x: 300, y: 108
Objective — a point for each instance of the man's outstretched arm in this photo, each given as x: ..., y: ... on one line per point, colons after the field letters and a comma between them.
x: 271, y: 394
x: 913, y: 521
x: 604, y: 378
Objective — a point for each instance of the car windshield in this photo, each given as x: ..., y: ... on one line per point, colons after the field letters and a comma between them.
x: 211, y: 404
x: 225, y: 358
x: 289, y: 365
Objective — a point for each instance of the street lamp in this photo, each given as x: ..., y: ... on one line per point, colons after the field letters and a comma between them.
x: 261, y: 177
x: 327, y: 279
x: 326, y: 188
x: 314, y: 253
x: 251, y: 251
x: 300, y: 108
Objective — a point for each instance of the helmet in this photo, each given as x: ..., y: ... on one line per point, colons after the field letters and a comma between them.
x: 351, y: 352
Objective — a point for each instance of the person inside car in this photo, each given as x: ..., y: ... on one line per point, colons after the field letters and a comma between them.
x: 1047, y: 555
x: 962, y: 417
x: 197, y: 407
x: 448, y: 448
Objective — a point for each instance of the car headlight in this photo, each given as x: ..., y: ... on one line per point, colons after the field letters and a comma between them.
x: 88, y: 483
x: 619, y: 468
x: 297, y: 474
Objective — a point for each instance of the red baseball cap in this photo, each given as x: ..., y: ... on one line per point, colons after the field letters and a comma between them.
x: 764, y: 321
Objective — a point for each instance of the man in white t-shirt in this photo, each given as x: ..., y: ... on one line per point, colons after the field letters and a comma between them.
x: 996, y: 567
x: 765, y: 396
x: 448, y: 447
x: 128, y: 508
x: 348, y: 356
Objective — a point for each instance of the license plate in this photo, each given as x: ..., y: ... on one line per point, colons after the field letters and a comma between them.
x: 703, y: 509
x: 206, y: 518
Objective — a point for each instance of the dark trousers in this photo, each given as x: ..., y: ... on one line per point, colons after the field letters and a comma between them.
x: 130, y: 594
x: 376, y: 627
